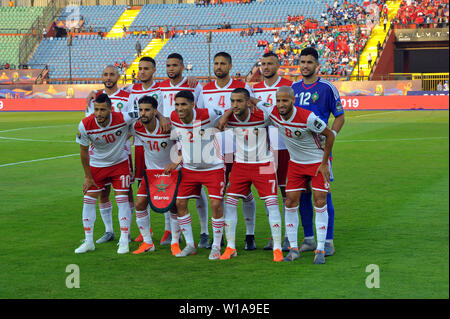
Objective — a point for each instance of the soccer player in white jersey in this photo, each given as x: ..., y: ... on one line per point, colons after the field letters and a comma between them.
x: 216, y: 96
x: 147, y: 86
x: 169, y: 88
x: 266, y: 91
x: 202, y: 166
x: 158, y: 149
x: 321, y: 97
x: 102, y: 137
x: 253, y: 164
x: 300, y: 129
x: 120, y: 102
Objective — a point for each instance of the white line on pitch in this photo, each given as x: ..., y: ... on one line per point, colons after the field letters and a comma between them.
x: 372, y: 114
x: 31, y: 140
x: 33, y: 127
x: 38, y: 160
x: 396, y: 139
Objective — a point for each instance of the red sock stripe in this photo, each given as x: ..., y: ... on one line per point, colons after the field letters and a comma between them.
x: 122, y: 199
x: 291, y: 210
x: 272, y: 202
x: 232, y: 201
x: 320, y: 210
x: 89, y: 200
x: 218, y: 223
x: 184, y: 221
x: 141, y: 214
x: 105, y: 205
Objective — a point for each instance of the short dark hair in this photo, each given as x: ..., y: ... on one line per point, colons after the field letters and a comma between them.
x: 186, y: 94
x: 310, y: 51
x: 103, y: 98
x: 148, y: 59
x: 225, y: 55
x: 242, y: 91
x: 147, y: 99
x: 175, y: 56
x: 269, y: 54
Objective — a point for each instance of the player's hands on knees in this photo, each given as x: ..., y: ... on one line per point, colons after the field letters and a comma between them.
x: 325, y: 170
x: 88, y: 183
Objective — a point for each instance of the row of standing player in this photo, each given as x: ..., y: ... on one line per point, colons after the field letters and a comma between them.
x: 313, y: 93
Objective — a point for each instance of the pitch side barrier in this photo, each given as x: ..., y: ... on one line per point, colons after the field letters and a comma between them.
x: 351, y: 103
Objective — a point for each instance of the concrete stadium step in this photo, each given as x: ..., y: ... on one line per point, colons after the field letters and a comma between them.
x: 151, y: 50
x: 378, y: 35
x: 126, y: 19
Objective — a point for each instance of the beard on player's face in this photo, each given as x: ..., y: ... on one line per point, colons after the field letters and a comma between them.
x: 109, y: 84
x: 221, y: 74
x: 285, y: 109
x: 173, y: 75
x: 269, y: 76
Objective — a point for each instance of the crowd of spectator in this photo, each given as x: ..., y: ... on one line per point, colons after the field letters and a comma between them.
x: 208, y: 2
x: 426, y: 13
x: 339, y: 37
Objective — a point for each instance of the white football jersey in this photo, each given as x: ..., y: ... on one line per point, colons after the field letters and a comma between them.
x: 106, y: 144
x: 199, y: 146
x: 300, y: 132
x: 159, y: 149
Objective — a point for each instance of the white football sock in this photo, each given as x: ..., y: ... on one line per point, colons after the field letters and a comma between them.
x: 274, y: 221
x: 321, y: 226
x: 106, y: 214
x: 249, y: 210
x: 202, y: 210
x: 291, y: 223
x: 186, y: 228
x: 143, y: 222
x: 124, y: 216
x: 167, y: 221
x: 89, y: 216
x: 217, y: 226
x: 230, y: 214
x: 176, y: 232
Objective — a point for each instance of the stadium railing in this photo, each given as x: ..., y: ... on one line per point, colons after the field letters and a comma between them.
x: 34, y: 34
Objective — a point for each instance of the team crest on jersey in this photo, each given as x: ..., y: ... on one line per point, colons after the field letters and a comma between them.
x: 118, y: 133
x: 155, y: 96
x: 255, y: 131
x: 315, y: 97
x: 298, y: 133
x: 201, y: 132
x: 120, y: 106
x: 164, y: 144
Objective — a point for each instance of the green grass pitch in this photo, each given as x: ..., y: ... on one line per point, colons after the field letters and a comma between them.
x: 390, y: 195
